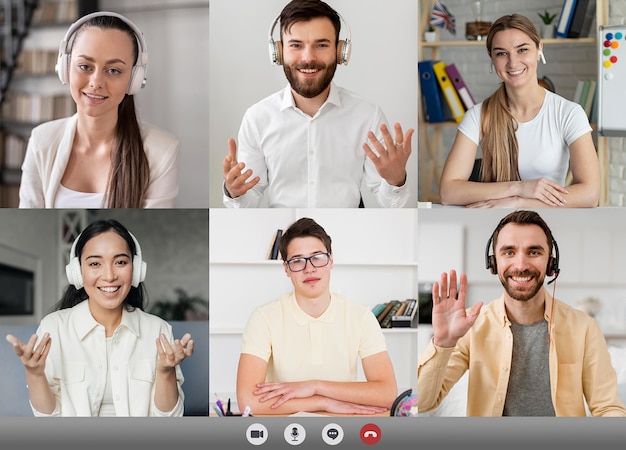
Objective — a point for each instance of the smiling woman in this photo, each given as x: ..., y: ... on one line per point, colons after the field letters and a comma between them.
x: 102, y: 156
x: 99, y: 353
x: 529, y: 137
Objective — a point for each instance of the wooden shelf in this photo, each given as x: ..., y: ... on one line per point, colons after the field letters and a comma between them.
x: 468, y: 43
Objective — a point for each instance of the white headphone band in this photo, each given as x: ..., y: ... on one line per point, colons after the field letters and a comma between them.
x: 345, y: 48
x: 142, y: 57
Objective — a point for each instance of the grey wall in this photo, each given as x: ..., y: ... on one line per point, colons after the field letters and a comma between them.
x: 174, y: 243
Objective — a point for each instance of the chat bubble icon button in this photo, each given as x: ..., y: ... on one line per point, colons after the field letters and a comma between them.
x: 332, y: 434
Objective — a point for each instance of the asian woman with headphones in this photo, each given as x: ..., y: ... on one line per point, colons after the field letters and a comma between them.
x: 99, y: 353
x: 102, y: 157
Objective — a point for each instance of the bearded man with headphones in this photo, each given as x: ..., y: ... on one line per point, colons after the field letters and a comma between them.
x: 303, y: 146
x: 102, y: 156
x: 528, y: 354
x: 98, y: 353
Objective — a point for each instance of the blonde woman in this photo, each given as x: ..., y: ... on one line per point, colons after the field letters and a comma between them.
x: 529, y: 136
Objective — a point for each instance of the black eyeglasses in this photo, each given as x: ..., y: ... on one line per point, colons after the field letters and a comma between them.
x: 317, y: 260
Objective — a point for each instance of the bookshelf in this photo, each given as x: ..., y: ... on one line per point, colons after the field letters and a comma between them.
x: 375, y: 260
x: 34, y: 94
x: 431, y: 135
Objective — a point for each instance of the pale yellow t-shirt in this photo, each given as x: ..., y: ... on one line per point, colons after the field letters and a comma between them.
x: 299, y: 347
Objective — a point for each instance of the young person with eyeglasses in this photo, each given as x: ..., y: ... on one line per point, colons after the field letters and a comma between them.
x: 301, y: 351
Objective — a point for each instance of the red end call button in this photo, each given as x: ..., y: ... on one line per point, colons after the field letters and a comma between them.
x: 370, y: 434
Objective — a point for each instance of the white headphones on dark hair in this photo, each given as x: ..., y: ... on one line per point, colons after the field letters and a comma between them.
x: 75, y: 278
x: 344, y: 47
x: 138, y: 76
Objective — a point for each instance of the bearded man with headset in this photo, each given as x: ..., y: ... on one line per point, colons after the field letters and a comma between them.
x: 303, y: 146
x: 528, y: 354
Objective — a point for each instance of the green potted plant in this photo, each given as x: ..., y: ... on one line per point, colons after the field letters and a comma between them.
x: 430, y: 35
x: 184, y: 307
x: 547, y: 26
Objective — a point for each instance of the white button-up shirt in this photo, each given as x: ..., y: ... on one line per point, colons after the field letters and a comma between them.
x: 317, y: 161
x: 76, y: 366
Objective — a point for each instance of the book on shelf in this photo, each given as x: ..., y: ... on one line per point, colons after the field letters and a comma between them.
x: 584, y: 93
x: 386, y: 320
x: 593, y: 117
x: 273, y: 251
x: 578, y: 91
x: 36, y: 61
x: 406, y: 317
x: 582, y: 19
x: 459, y: 84
x: 53, y: 11
x: 435, y: 108
x: 36, y: 108
x: 449, y: 92
x: 385, y: 311
x: 565, y: 18
x: 13, y: 151
x: 591, y: 93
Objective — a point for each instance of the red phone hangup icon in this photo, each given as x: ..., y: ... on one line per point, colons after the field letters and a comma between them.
x: 370, y: 434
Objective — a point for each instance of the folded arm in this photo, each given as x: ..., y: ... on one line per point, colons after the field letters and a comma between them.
x: 367, y: 397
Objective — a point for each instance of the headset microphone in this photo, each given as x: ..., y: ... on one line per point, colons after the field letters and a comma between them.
x: 552, y: 270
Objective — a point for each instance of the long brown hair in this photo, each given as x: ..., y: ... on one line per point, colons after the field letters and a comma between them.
x: 497, y: 124
x: 130, y: 172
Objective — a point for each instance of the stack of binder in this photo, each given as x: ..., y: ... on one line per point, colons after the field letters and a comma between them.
x: 445, y: 96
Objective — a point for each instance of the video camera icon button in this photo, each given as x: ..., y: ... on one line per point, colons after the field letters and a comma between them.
x: 256, y: 434
x: 332, y: 434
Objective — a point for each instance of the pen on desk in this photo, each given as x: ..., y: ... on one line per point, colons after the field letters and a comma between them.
x: 228, y: 413
x: 218, y: 411
x: 246, y: 412
x: 219, y: 404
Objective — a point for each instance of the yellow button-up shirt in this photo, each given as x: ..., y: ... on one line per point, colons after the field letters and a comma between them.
x: 580, y: 364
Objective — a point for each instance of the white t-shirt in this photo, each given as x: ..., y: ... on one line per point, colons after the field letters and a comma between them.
x: 543, y: 141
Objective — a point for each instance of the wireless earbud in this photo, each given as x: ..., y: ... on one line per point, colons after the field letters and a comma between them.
x: 543, y: 58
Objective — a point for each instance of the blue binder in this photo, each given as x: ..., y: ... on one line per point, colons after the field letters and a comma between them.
x: 436, y: 107
x: 565, y: 19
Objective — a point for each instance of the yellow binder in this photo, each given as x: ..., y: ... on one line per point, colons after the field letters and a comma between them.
x: 449, y: 92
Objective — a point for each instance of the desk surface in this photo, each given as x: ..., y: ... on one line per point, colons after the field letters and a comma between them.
x: 312, y: 414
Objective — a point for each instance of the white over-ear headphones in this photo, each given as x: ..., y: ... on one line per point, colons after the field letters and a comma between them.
x: 138, y: 76
x: 344, y: 47
x: 75, y: 278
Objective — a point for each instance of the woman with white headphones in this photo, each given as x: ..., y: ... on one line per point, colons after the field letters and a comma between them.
x: 99, y: 353
x: 101, y: 157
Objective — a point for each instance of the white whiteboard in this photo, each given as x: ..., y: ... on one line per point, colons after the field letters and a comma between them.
x: 611, y: 80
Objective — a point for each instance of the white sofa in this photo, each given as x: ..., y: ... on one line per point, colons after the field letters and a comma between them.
x: 454, y: 404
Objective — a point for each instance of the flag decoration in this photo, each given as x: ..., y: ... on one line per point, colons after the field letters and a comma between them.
x: 442, y: 18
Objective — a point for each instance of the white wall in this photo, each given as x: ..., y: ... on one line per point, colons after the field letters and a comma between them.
x: 176, y: 96
x: 591, y: 248
x: 382, y: 68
